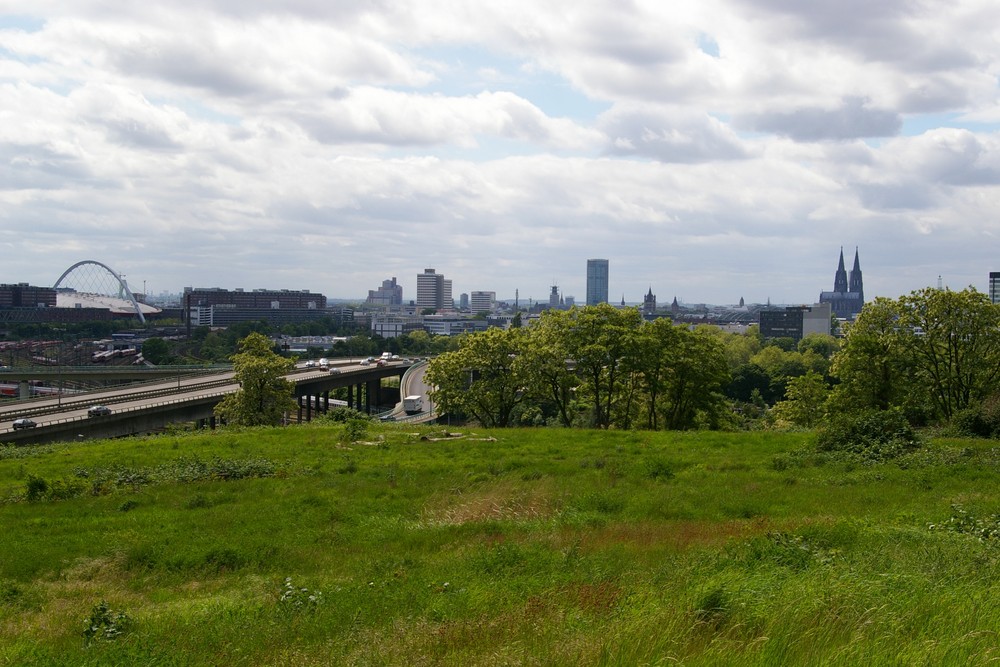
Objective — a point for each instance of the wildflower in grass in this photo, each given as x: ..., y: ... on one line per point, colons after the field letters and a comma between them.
x: 298, y: 599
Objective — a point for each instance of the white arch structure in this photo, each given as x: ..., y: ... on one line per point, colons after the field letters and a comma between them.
x: 123, y: 291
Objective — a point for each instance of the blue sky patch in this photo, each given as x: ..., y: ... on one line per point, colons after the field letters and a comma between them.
x: 25, y: 23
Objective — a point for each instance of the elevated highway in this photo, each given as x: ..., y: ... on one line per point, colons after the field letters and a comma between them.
x: 153, y: 405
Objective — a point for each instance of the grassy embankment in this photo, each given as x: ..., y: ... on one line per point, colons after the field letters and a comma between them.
x: 513, y: 547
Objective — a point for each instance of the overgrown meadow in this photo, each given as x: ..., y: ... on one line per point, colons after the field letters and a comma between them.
x: 549, y: 547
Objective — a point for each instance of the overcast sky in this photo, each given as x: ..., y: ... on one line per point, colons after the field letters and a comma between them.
x: 710, y: 150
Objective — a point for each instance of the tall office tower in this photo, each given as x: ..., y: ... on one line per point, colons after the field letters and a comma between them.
x: 447, y: 300
x: 482, y: 302
x: 463, y: 301
x: 430, y: 290
x: 994, y: 287
x: 389, y: 294
x: 597, y: 281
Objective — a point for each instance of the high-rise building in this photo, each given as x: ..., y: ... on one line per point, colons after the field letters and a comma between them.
x: 433, y: 291
x: 848, y: 295
x: 995, y: 286
x: 597, y: 281
x: 482, y: 302
x: 389, y: 294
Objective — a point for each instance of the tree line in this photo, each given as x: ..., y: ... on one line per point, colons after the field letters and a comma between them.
x: 933, y: 355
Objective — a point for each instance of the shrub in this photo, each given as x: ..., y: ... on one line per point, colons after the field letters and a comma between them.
x: 294, y: 599
x: 979, y: 421
x: 105, y: 623
x: 871, y: 435
x: 355, y: 429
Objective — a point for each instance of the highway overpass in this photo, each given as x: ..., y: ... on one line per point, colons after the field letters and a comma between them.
x: 153, y: 405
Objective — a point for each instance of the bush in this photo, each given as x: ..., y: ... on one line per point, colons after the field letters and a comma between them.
x: 105, y: 623
x: 871, y: 435
x: 979, y: 421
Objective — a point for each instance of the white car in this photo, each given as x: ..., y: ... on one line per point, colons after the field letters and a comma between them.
x: 311, y: 364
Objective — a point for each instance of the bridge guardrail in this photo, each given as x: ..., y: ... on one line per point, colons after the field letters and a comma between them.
x: 135, y: 408
x: 130, y: 397
x: 77, y: 401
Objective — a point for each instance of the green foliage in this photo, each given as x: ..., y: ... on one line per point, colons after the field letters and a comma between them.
x: 980, y: 421
x: 595, y: 366
x: 265, y: 395
x: 156, y: 351
x: 356, y: 429
x: 298, y: 600
x: 805, y: 398
x: 340, y: 415
x: 105, y: 623
x: 968, y: 522
x: 871, y: 435
x: 933, y: 351
x: 486, y: 378
x: 512, y: 546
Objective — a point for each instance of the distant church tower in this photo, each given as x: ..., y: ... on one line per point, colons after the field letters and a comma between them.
x: 840, y: 279
x: 848, y: 295
x: 856, y: 284
x: 649, y: 303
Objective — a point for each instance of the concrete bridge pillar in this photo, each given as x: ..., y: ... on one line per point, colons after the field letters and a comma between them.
x: 24, y: 389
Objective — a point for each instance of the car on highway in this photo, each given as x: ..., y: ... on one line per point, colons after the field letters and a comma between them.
x: 311, y: 363
x: 98, y: 411
x: 24, y: 423
x: 334, y: 371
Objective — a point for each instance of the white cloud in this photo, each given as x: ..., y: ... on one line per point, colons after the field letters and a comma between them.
x: 721, y: 149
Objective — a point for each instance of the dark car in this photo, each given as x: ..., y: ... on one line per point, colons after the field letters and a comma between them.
x: 24, y: 423
x: 98, y: 411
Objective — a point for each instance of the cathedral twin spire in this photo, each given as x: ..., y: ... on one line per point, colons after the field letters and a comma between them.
x: 842, y: 284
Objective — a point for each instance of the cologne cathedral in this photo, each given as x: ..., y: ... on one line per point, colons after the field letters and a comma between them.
x: 848, y: 295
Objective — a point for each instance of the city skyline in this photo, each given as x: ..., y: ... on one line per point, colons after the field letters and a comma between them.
x: 713, y: 151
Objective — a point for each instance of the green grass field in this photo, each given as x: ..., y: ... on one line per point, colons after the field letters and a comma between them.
x: 519, y: 547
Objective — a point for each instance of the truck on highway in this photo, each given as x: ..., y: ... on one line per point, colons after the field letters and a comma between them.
x: 413, y: 404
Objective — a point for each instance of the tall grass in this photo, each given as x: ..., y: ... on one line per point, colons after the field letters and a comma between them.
x: 540, y: 547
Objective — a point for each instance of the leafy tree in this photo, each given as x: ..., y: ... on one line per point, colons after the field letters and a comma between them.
x: 485, y: 378
x: 954, y: 338
x: 873, y: 366
x: 656, y: 345
x: 750, y: 381
x: 824, y: 345
x: 156, y: 350
x: 698, y: 372
x: 599, y: 338
x: 804, y: 402
x: 264, y: 394
x: 551, y: 370
x: 932, y: 347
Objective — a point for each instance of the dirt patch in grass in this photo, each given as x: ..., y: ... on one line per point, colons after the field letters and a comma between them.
x: 678, y: 535
x: 498, y: 502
